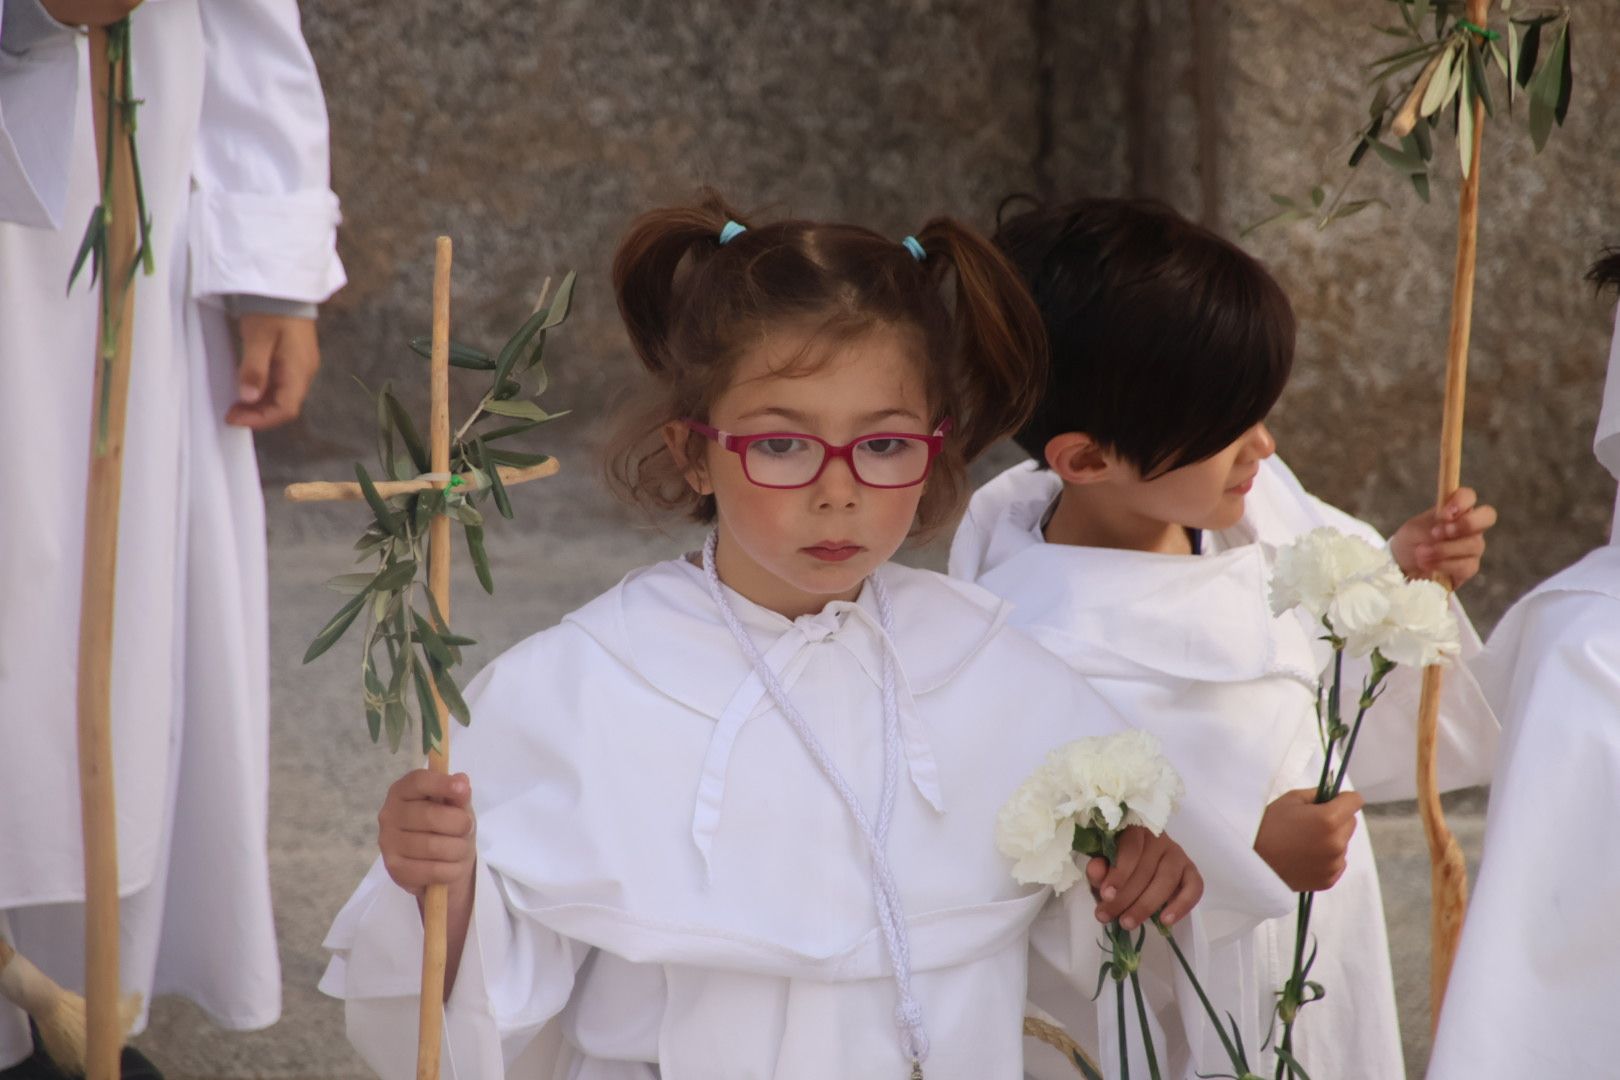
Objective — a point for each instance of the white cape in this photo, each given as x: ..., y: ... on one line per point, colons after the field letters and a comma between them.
x: 232, y: 137
x: 1187, y: 648
x: 665, y: 876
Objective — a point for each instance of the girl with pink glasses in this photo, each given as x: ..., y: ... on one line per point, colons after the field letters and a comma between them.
x: 735, y: 817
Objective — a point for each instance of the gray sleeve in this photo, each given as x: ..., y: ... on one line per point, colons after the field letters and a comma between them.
x: 238, y: 304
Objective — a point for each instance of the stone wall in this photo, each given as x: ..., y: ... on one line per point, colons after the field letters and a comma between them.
x: 531, y: 132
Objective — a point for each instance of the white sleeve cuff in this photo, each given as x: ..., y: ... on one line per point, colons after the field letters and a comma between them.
x: 282, y: 246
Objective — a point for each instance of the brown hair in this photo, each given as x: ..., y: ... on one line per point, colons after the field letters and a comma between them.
x: 692, y: 306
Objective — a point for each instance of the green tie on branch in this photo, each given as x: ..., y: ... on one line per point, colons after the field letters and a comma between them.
x: 1420, y: 89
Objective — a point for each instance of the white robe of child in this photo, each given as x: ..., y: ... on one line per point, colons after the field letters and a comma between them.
x: 1537, y: 974
x: 1187, y: 647
x: 232, y: 136
x: 668, y: 886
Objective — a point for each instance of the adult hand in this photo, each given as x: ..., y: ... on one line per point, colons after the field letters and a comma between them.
x: 280, y: 355
x: 89, y: 12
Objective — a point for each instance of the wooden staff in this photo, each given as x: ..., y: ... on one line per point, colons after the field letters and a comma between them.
x: 105, y: 1034
x: 1448, y: 871
x: 435, y: 905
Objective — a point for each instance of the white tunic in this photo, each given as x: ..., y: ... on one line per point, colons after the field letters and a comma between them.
x: 1188, y: 649
x: 667, y: 884
x: 1537, y: 975
x: 232, y: 138
x: 1537, y: 972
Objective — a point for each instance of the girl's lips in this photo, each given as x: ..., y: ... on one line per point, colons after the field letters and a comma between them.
x: 1243, y: 488
x: 832, y: 552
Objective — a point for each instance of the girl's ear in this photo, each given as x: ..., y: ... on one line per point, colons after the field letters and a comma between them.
x: 1077, y: 458
x: 677, y: 437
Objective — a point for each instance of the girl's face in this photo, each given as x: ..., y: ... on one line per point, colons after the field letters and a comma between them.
x: 795, y: 549
x: 1207, y: 494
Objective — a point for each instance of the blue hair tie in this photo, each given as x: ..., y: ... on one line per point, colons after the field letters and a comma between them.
x: 731, y: 231
x: 916, y: 249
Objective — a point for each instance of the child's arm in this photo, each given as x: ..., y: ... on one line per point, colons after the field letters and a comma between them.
x: 1306, y: 842
x: 1450, y: 542
x: 427, y: 835
x: 1151, y: 875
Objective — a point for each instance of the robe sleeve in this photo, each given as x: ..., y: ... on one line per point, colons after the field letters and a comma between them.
x: 39, y: 95
x: 514, y: 977
x: 1538, y: 969
x: 1384, y: 767
x: 263, y: 218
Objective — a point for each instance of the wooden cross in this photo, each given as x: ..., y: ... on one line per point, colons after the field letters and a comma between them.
x: 435, y: 904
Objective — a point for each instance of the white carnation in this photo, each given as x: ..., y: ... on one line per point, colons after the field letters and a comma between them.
x: 1107, y: 782
x: 1314, y: 570
x: 1419, y: 628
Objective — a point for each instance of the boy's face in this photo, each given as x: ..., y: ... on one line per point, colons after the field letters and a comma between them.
x: 1207, y: 494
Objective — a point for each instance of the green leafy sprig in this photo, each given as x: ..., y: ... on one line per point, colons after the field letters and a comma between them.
x: 1443, y: 74
x: 402, y: 616
x: 121, y: 104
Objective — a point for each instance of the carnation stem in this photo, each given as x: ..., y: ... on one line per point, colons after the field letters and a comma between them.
x: 1147, y: 1033
x: 1124, y: 1042
x: 1240, y: 1063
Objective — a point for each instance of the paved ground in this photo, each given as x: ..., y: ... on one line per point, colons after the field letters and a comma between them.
x: 327, y: 780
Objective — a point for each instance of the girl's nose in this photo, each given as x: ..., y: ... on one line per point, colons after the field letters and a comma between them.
x: 837, y: 487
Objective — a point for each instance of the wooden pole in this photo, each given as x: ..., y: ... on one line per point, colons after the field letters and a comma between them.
x: 1448, y: 871
x: 435, y: 904
x: 105, y: 1035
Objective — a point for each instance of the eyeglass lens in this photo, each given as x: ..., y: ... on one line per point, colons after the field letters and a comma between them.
x: 887, y: 461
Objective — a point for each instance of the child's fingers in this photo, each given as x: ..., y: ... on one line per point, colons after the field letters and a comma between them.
x: 1129, y: 850
x: 1474, y: 522
x: 423, y: 816
x: 1126, y: 892
x: 1155, y: 893
x: 1432, y: 556
x: 1344, y: 806
x: 1096, y: 871
x: 414, y: 875
x: 1189, y: 891
x: 427, y: 784
x: 430, y: 847
x: 1462, y: 500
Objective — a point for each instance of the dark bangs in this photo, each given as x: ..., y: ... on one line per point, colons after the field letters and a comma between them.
x: 1166, y: 342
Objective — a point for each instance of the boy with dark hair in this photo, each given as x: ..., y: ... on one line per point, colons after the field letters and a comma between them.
x: 1136, y: 545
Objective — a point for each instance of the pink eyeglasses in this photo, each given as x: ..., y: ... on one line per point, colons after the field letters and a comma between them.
x: 790, y: 459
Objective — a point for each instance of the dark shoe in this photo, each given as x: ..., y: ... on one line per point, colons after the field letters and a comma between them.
x: 38, y: 1065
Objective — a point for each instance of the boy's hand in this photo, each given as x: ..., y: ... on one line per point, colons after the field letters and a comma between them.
x: 426, y: 831
x: 1306, y: 842
x: 1450, y: 542
x: 1151, y: 875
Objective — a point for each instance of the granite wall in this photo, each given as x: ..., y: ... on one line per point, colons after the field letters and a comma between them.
x: 531, y: 132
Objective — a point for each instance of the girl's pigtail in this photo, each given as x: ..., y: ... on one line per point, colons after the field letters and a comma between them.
x: 998, y: 344
x: 646, y: 267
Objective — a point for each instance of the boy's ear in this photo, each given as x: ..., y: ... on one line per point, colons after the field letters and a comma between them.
x: 677, y: 437
x: 1077, y: 459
